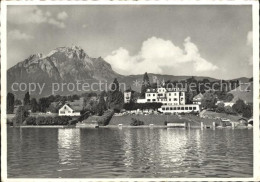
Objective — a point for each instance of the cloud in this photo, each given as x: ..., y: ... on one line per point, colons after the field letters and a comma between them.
x: 17, y: 35
x: 32, y: 14
x: 62, y: 15
x: 25, y: 14
x: 56, y: 23
x: 156, y: 54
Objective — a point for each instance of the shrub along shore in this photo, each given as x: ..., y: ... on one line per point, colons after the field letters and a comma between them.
x: 108, y: 120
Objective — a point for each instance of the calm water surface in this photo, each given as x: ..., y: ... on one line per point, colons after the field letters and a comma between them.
x: 136, y: 152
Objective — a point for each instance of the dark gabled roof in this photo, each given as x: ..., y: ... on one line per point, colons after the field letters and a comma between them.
x: 76, y: 105
x: 242, y: 119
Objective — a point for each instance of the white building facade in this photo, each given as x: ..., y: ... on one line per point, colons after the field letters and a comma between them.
x: 173, y: 100
x: 172, y: 96
x: 127, y: 96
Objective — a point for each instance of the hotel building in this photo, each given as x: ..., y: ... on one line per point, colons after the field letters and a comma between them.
x: 173, y: 100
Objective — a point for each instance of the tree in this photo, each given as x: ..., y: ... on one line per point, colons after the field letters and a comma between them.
x: 101, y: 107
x: 209, y: 100
x: 26, y: 99
x: 229, y: 97
x: 229, y: 110
x: 239, y: 106
x: 20, y: 116
x: 115, y: 98
x: 10, y: 103
x: 34, y: 105
x: 248, y: 111
x: 115, y: 85
x: 220, y: 108
x: 43, y: 104
x: 17, y: 102
x: 145, y: 84
x: 75, y: 97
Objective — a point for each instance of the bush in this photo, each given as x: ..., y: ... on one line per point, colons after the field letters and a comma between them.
x: 229, y: 110
x: 30, y: 121
x: 136, y: 122
x: 248, y: 111
x: 20, y: 116
x: 220, y: 108
x: 64, y: 120
x: 9, y: 122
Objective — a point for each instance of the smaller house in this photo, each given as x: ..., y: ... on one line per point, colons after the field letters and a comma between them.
x: 242, y: 121
x: 72, y: 108
x: 68, y: 110
x: 197, y: 99
x: 128, y: 94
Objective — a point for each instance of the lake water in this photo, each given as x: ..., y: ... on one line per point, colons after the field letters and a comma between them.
x: 129, y: 152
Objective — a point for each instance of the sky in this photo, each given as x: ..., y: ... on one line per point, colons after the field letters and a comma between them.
x: 199, y: 40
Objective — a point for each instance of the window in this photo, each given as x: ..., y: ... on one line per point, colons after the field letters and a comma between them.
x: 153, y: 94
x: 169, y: 99
x: 190, y: 108
x: 154, y: 100
x: 163, y: 108
x: 148, y: 94
x: 174, y: 108
x: 169, y: 94
x: 148, y: 100
x: 182, y: 108
x: 194, y: 108
x: 175, y: 99
x: 170, y: 108
x: 178, y: 108
x: 186, y: 108
x: 175, y: 94
x: 167, y: 108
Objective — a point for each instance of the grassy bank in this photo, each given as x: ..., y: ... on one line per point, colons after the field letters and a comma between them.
x: 212, y: 115
x: 160, y: 119
x: 147, y: 119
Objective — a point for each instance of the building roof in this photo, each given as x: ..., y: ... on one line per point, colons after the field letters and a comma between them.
x: 199, y: 96
x: 151, y: 90
x: 242, y: 119
x: 76, y: 105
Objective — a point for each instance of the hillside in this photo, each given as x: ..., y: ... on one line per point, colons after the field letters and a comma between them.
x: 244, y: 92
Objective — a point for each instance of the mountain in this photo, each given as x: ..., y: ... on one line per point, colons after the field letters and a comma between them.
x: 64, y: 67
x: 61, y: 65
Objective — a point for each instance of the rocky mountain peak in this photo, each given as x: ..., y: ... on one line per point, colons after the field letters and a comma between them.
x: 63, y: 64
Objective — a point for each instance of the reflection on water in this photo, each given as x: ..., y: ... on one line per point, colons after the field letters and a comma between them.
x: 137, y: 153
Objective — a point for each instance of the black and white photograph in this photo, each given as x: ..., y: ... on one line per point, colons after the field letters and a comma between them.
x: 132, y: 90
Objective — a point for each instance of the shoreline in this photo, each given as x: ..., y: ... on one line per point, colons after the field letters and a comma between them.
x: 129, y: 126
